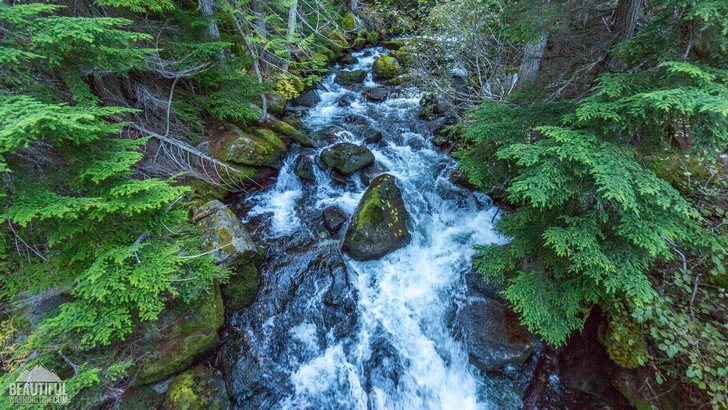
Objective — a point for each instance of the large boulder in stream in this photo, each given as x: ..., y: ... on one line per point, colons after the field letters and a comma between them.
x: 223, y: 234
x: 380, y: 222
x: 386, y: 67
x: 307, y: 99
x: 303, y: 168
x: 347, y: 158
x: 351, y: 77
x: 493, y: 333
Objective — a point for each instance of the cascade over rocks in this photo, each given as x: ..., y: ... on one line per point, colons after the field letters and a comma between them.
x: 347, y: 158
x: 380, y: 222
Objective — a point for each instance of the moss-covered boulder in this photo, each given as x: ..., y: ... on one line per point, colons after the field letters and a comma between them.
x: 179, y: 337
x: 242, y: 289
x: 351, y: 77
x: 380, y: 222
x: 404, y: 58
x: 337, y: 37
x: 224, y: 235
x: 392, y: 44
x: 289, y: 131
x: 386, y: 67
x: 349, y: 22
x: 197, y: 389
x: 347, y: 158
x: 260, y: 148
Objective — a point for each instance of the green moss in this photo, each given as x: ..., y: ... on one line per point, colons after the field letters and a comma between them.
x: 142, y: 398
x: 372, y: 37
x: 180, y: 337
x: 197, y: 389
x: 372, y: 211
x: 244, y: 148
x: 386, y: 67
x: 337, y: 37
x: 404, y: 58
x: 349, y: 22
x: 242, y: 289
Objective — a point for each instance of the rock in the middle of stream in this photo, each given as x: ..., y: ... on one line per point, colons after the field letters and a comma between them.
x: 380, y: 222
x: 347, y: 158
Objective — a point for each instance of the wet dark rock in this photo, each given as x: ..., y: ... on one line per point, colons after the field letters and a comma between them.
x: 303, y: 168
x: 327, y: 136
x: 367, y: 53
x: 348, y: 59
x: 345, y: 100
x: 308, y: 99
x: 368, y: 174
x: 347, y: 157
x: 374, y: 137
x: 197, y: 388
x: 380, y: 222
x: 393, y: 44
x: 461, y: 179
x: 141, y: 398
x: 340, y: 178
x: 377, y: 94
x: 320, y: 163
x: 355, y: 119
x: 351, y: 77
x: 334, y: 219
x: 493, y: 333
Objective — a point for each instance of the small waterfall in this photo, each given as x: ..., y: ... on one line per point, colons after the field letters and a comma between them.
x: 328, y: 332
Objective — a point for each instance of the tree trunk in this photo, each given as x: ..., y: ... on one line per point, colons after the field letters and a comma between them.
x: 263, y: 33
x: 213, y: 31
x: 292, y: 14
x: 354, y: 6
x: 532, y: 55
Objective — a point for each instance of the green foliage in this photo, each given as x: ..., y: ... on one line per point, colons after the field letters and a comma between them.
x: 77, y: 218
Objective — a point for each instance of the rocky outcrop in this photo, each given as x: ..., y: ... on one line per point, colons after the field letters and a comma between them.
x: 303, y: 168
x: 386, y: 67
x: 493, y: 333
x: 351, y: 77
x: 380, y: 222
x: 347, y: 158
x: 180, y: 336
x: 224, y: 235
x: 261, y: 147
x: 199, y: 388
x: 307, y: 99
x: 334, y: 219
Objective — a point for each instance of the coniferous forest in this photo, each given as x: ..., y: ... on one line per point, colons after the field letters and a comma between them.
x: 391, y: 204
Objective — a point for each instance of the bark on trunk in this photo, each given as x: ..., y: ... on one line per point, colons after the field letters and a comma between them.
x: 532, y: 55
x: 354, y: 6
x: 213, y: 31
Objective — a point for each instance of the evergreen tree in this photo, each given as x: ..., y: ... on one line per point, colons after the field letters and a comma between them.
x: 602, y: 219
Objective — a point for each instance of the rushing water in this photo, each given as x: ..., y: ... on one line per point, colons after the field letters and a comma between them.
x: 329, y: 332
